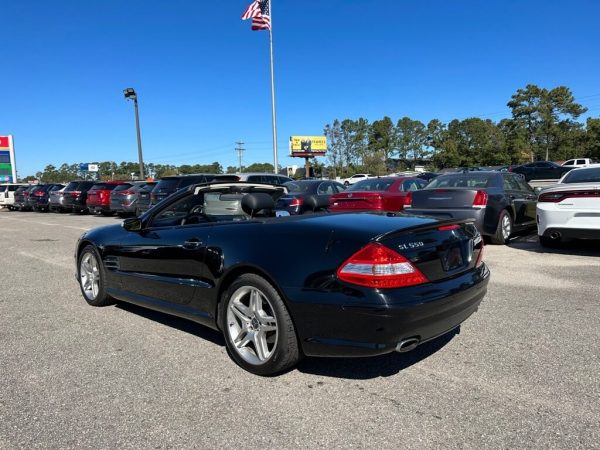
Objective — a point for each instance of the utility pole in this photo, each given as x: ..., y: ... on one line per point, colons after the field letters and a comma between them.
x: 240, y: 151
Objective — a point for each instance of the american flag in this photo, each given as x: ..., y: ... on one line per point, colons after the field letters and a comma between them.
x: 260, y: 14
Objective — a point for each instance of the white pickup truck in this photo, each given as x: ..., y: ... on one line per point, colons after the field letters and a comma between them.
x: 578, y: 162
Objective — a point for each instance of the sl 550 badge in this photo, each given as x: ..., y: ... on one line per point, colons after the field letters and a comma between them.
x: 411, y: 245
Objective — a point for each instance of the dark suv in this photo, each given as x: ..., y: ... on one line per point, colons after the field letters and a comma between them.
x: 40, y: 195
x: 21, y: 196
x: 75, y: 196
x: 167, y: 185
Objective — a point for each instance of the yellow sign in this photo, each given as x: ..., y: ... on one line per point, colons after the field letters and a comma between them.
x: 308, y: 145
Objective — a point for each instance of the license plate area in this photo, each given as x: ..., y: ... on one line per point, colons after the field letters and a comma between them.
x: 452, y: 258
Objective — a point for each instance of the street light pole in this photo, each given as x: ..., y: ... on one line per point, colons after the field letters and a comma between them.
x: 130, y: 94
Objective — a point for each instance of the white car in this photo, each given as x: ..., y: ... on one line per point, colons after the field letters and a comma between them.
x: 356, y: 178
x: 571, y: 208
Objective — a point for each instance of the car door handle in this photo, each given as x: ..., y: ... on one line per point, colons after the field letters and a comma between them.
x: 192, y: 244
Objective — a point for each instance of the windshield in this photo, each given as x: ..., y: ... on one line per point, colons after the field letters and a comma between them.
x: 372, y: 184
x: 589, y: 175
x: 470, y: 180
x: 103, y: 187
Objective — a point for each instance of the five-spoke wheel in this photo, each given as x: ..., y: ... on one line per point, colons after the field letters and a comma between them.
x: 91, y: 278
x: 258, y: 330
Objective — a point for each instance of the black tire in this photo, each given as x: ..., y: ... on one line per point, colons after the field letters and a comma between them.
x: 280, y: 350
x: 93, y: 287
x: 547, y: 242
x: 503, y: 229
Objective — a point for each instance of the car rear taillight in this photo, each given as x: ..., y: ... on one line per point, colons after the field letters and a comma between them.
x: 297, y: 201
x: 75, y: 193
x: 39, y: 194
x: 378, y: 266
x: 480, y: 200
x: 408, y: 200
x: 556, y: 197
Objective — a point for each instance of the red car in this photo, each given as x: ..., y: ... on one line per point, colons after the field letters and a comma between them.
x: 98, y: 197
x: 376, y: 194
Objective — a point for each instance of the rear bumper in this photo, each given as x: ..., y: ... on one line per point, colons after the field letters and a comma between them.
x: 584, y: 224
x: 368, y: 322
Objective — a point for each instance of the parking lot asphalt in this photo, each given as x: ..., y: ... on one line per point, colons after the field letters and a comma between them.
x: 524, y: 371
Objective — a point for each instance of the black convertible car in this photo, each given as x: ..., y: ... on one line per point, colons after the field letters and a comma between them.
x: 354, y: 285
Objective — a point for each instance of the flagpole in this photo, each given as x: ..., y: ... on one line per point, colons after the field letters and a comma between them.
x: 274, y: 124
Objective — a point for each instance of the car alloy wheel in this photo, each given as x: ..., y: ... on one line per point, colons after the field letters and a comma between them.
x: 91, y: 278
x: 503, y: 229
x: 258, y: 329
x: 251, y: 325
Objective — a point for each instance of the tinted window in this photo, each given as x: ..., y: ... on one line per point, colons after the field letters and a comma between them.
x: 297, y: 187
x: 470, y: 180
x: 372, y: 184
x: 167, y: 184
x: 581, y: 161
x: 412, y: 185
x: 510, y: 183
x: 569, y: 162
x: 589, y: 175
x: 121, y: 187
x: 103, y: 187
x: 71, y: 186
x: 326, y: 188
x: 3, y: 188
x: 523, y: 186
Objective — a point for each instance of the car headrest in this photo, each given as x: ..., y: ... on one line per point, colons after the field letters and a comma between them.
x: 315, y: 202
x: 252, y: 203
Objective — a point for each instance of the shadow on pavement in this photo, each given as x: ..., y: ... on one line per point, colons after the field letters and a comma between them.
x: 352, y: 368
x: 374, y: 367
x: 178, y: 323
x: 581, y: 247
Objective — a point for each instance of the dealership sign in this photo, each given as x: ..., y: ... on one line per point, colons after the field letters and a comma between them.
x: 307, y: 146
x: 8, y: 167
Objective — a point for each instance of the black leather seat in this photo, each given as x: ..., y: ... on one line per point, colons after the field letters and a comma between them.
x: 258, y: 203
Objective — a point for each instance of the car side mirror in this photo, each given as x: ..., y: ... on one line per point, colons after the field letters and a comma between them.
x: 132, y: 224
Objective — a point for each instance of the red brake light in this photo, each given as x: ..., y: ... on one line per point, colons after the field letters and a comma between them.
x: 556, y: 197
x: 297, y: 201
x: 480, y: 199
x: 39, y: 194
x: 378, y: 266
x: 408, y: 200
x: 449, y: 227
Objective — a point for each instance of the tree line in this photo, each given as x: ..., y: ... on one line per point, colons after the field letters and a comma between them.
x: 543, y: 126
x: 110, y: 170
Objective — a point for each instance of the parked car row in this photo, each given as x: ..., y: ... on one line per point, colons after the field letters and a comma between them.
x: 500, y: 203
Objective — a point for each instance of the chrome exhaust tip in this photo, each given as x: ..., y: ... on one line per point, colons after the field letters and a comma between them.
x: 407, y: 345
x: 555, y: 235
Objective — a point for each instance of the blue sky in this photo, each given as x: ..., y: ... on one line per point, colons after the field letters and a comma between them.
x: 203, y: 77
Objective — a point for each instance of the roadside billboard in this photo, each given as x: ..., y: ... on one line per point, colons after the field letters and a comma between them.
x: 307, y: 146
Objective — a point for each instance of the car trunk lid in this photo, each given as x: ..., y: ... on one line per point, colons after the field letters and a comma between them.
x: 448, y: 198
